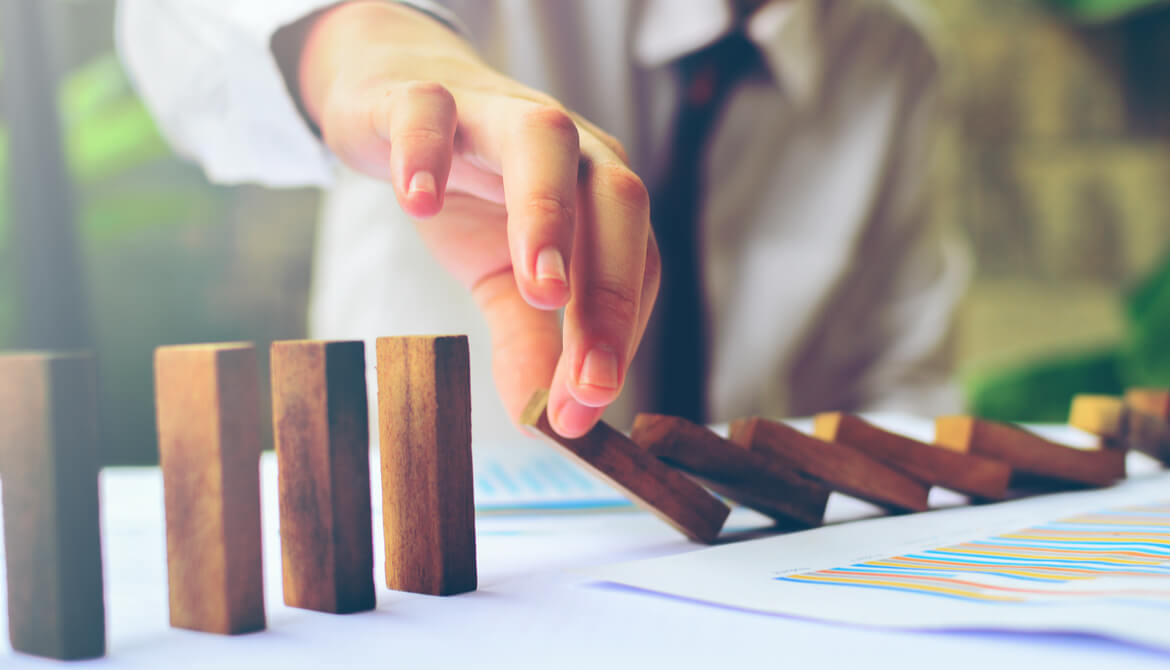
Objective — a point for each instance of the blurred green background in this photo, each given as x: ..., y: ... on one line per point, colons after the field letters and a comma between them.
x: 1056, y: 165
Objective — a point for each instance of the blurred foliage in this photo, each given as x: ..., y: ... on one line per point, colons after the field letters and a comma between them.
x: 1101, y: 10
x: 1043, y: 391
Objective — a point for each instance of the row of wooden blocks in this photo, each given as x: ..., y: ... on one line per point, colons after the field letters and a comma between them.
x: 207, y: 404
x: 667, y: 463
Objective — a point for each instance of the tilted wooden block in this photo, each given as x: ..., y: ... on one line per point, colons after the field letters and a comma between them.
x: 643, y: 478
x: 428, y: 505
x: 320, y: 422
x: 208, y: 406
x: 968, y: 474
x: 839, y: 467
x: 1155, y: 402
x: 766, y: 485
x: 49, y: 466
x: 1030, y: 456
x: 1122, y: 426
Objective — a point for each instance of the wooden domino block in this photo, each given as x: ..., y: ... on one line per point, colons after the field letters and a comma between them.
x: 1030, y: 456
x: 323, y: 452
x: 1102, y: 415
x: 1121, y: 425
x: 649, y: 482
x: 428, y: 506
x: 839, y: 467
x: 1155, y: 402
x: 971, y: 475
x: 208, y: 408
x: 765, y: 485
x: 49, y: 466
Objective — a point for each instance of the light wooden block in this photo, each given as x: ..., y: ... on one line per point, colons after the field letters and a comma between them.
x: 839, y: 467
x: 647, y: 481
x: 320, y: 422
x: 1123, y: 425
x: 428, y: 504
x: 1030, y: 456
x: 750, y: 479
x: 49, y: 465
x: 208, y: 408
x: 1102, y: 415
x: 965, y: 473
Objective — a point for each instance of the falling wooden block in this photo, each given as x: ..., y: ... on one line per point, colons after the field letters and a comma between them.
x: 971, y: 475
x: 1121, y: 425
x: 428, y: 505
x: 49, y: 466
x: 1030, y: 456
x: 765, y: 485
x: 649, y: 482
x: 208, y: 408
x: 1155, y: 402
x: 839, y: 467
x: 320, y: 422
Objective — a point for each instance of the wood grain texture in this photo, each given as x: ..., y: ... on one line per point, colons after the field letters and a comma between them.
x: 1152, y: 401
x: 647, y: 481
x: 428, y: 504
x: 1032, y: 458
x: 839, y: 467
x: 968, y: 474
x: 208, y: 401
x: 49, y: 464
x: 746, y: 477
x: 320, y: 422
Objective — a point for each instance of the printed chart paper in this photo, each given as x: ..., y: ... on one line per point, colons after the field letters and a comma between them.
x: 1094, y: 562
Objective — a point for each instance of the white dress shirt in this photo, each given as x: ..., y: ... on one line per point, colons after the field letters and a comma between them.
x: 830, y: 285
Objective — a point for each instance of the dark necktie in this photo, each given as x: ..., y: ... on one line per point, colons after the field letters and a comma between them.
x: 678, y: 369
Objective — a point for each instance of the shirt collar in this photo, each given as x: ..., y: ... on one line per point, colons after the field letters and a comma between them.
x: 784, y: 30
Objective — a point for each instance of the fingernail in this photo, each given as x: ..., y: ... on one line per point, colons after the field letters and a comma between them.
x: 550, y: 266
x: 422, y: 182
x: 600, y: 368
x: 571, y: 417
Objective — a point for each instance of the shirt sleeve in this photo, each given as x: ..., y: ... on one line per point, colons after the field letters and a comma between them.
x: 206, y: 71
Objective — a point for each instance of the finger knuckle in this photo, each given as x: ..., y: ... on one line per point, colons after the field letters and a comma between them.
x: 624, y: 184
x: 551, y: 207
x: 613, y: 301
x: 430, y: 91
x: 420, y: 135
x: 547, y: 118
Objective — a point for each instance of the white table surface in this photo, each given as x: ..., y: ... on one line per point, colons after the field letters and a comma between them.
x: 531, y: 610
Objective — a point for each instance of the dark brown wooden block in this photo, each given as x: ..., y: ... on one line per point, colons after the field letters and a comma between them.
x: 428, y: 505
x: 208, y: 408
x: 766, y: 485
x: 320, y: 422
x: 839, y: 467
x: 971, y: 475
x: 647, y: 481
x: 1031, y: 457
x: 1155, y: 402
x: 49, y: 465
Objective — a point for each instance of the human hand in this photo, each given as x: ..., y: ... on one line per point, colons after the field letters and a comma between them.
x: 528, y: 205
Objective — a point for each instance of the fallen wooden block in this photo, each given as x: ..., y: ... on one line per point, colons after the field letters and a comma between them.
x: 49, y: 466
x: 321, y: 429
x: 209, y: 448
x: 750, y: 479
x: 1031, y: 457
x: 1155, y: 402
x: 428, y: 504
x: 646, y: 480
x: 839, y: 467
x: 965, y: 473
x: 1122, y: 426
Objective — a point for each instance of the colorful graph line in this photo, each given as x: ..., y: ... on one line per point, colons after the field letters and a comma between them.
x: 1119, y: 554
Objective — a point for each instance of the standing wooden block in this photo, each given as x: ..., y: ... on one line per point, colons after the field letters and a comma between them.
x: 647, y: 481
x: 1122, y: 426
x: 208, y: 409
x: 965, y: 473
x: 320, y: 422
x: 763, y: 484
x: 428, y: 505
x: 1030, y: 456
x: 839, y: 467
x: 1155, y: 402
x: 49, y: 465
